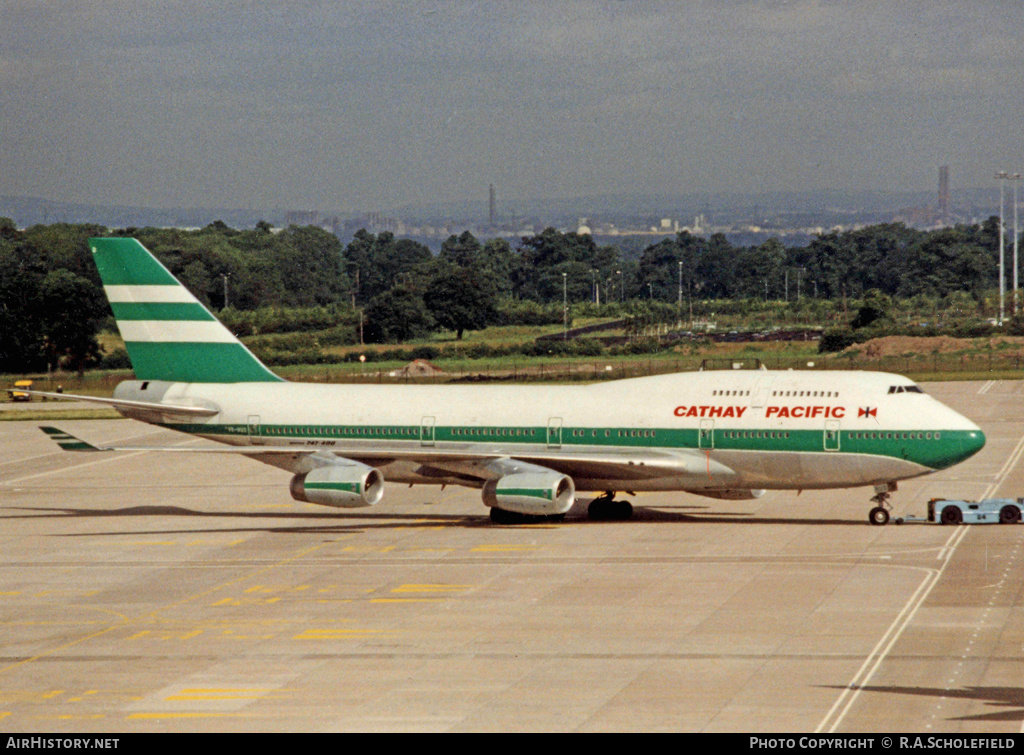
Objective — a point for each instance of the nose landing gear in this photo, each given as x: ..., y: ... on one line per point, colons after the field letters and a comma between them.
x: 879, y: 515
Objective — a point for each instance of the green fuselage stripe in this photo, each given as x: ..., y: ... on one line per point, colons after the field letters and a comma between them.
x: 929, y: 448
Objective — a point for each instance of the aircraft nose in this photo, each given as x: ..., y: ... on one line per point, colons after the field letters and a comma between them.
x: 971, y: 442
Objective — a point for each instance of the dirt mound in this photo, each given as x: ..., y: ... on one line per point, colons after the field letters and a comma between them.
x: 891, y: 346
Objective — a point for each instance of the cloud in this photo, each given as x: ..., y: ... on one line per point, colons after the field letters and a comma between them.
x: 377, y: 104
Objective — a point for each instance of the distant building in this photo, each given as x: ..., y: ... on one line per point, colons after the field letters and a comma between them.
x: 944, y: 194
x: 301, y: 217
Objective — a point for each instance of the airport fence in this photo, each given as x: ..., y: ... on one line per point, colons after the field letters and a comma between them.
x: 964, y: 366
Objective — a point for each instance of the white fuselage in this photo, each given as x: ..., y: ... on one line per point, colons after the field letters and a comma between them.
x: 701, y: 431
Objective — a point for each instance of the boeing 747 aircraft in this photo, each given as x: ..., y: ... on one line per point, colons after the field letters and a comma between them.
x: 529, y: 449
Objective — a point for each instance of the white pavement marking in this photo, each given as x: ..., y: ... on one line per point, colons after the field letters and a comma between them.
x: 882, y: 648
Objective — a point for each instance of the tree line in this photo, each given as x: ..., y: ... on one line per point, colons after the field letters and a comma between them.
x: 394, y: 289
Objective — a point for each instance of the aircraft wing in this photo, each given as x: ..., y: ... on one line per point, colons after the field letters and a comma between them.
x: 471, y: 460
x: 592, y: 464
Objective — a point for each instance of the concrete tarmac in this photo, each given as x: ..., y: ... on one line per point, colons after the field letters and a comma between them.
x: 149, y: 592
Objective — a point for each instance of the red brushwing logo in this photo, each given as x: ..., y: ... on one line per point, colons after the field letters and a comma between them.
x: 867, y: 411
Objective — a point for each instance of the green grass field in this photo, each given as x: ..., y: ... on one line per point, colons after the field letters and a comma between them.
x: 959, y: 359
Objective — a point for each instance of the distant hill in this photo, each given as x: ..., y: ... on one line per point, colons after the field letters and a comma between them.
x: 28, y: 211
x: 720, y: 208
x: 769, y: 209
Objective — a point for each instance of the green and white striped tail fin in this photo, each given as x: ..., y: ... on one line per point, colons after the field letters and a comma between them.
x: 168, y: 333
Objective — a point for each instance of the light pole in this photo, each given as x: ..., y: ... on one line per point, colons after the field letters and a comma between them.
x: 565, y: 311
x: 1016, y: 237
x: 679, y: 301
x: 1001, y: 176
x: 355, y: 288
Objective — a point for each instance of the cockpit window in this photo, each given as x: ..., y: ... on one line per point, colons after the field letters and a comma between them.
x: 905, y: 389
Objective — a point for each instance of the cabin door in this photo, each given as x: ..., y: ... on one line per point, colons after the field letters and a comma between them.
x: 554, y: 432
x: 255, y: 439
x: 427, y: 431
x: 831, y: 435
x: 762, y: 390
x: 706, y: 434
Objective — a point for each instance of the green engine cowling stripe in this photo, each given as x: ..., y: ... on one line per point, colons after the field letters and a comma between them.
x: 347, y: 487
x: 543, y: 493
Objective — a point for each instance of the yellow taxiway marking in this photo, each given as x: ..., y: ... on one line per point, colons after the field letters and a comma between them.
x: 246, y: 602
x: 30, y: 695
x: 337, y: 634
x: 86, y: 692
x: 431, y: 588
x: 221, y: 694
x: 128, y: 621
x: 165, y: 635
x: 425, y: 590
x: 207, y: 541
x: 55, y: 593
x: 185, y: 715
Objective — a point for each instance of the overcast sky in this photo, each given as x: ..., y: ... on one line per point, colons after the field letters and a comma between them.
x: 372, y: 105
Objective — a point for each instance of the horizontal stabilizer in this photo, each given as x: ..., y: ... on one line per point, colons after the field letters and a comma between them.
x: 68, y: 442
x: 192, y: 411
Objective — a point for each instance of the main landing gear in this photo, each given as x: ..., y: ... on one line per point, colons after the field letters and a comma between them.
x: 502, y: 516
x: 607, y: 508
x: 879, y: 515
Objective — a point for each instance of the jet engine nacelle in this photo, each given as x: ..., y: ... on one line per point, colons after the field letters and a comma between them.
x: 730, y: 495
x: 531, y: 493
x: 347, y: 487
